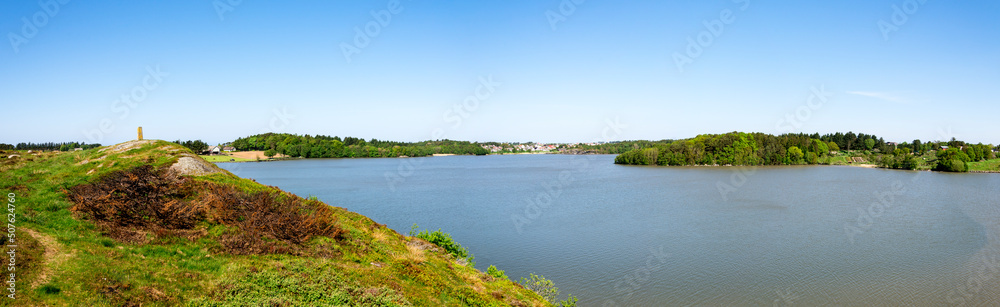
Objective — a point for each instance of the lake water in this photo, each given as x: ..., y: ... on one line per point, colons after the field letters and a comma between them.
x: 652, y: 236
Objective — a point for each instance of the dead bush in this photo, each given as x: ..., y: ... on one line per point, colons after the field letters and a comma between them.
x: 132, y: 203
x: 268, y: 215
x: 141, y: 197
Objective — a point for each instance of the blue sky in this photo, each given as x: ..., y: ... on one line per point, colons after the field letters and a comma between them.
x: 557, y: 71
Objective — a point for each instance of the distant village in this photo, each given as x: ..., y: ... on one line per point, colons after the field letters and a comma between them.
x: 530, y: 147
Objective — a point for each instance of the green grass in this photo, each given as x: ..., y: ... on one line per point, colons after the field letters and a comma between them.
x: 222, y: 158
x: 833, y: 160
x: 368, y: 265
x: 988, y: 165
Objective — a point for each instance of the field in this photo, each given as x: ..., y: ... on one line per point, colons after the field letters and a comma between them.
x: 834, y: 160
x: 988, y: 165
x: 239, y: 156
x: 225, y: 158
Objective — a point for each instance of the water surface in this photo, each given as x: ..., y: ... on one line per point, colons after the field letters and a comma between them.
x: 651, y: 236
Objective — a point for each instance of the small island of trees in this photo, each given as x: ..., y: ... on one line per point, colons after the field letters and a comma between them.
x: 748, y: 149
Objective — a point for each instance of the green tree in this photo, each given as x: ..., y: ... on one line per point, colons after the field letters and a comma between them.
x: 496, y: 273
x: 545, y: 288
x: 833, y: 146
x: 270, y: 153
x: 444, y: 240
x: 743, y: 150
x: 794, y: 154
x: 908, y: 162
x: 952, y: 160
x: 952, y: 165
x: 820, y: 148
x: 291, y: 150
x: 869, y: 144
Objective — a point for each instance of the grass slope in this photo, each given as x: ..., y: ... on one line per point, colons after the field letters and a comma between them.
x: 992, y: 165
x: 72, y: 261
x: 223, y: 158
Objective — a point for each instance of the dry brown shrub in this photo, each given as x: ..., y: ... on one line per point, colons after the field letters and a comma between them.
x: 130, y: 204
x: 266, y: 219
x: 141, y: 197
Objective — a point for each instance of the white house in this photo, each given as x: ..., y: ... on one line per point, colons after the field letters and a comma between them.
x: 213, y: 150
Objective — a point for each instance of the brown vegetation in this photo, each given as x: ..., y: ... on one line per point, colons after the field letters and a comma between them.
x: 263, y: 216
x: 132, y: 204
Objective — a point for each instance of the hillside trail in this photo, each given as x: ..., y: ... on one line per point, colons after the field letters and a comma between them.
x: 53, y: 256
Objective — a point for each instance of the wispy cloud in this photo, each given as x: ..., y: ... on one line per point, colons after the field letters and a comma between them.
x: 879, y: 95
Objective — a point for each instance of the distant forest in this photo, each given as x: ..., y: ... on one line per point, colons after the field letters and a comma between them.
x: 62, y: 146
x: 321, y: 146
x: 738, y: 148
x: 734, y: 148
x: 197, y: 146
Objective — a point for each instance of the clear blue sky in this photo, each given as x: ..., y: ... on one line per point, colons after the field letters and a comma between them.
x: 935, y: 76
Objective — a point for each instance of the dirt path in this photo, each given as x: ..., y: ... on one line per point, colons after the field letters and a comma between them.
x: 54, y: 256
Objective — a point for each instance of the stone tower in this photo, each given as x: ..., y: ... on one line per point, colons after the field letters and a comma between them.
x: 140, y: 133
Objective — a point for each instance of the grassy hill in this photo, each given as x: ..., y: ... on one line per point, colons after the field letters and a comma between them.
x: 149, y: 223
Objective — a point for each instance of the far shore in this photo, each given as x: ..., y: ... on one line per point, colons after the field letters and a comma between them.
x: 523, y: 153
x: 257, y: 156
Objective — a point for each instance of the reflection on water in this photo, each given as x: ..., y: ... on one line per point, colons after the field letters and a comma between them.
x: 649, y: 236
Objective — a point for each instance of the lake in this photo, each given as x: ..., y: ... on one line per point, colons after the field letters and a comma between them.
x: 618, y: 235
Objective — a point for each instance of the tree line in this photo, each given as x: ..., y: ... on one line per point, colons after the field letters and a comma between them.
x: 61, y: 146
x: 615, y: 147
x: 735, y: 148
x: 951, y: 156
x: 738, y: 148
x: 197, y: 146
x: 322, y: 146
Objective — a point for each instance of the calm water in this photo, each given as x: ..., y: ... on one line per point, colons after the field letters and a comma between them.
x: 651, y: 236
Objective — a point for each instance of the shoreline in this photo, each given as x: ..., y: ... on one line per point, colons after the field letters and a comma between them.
x: 861, y: 165
x: 400, y: 157
x: 522, y: 153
